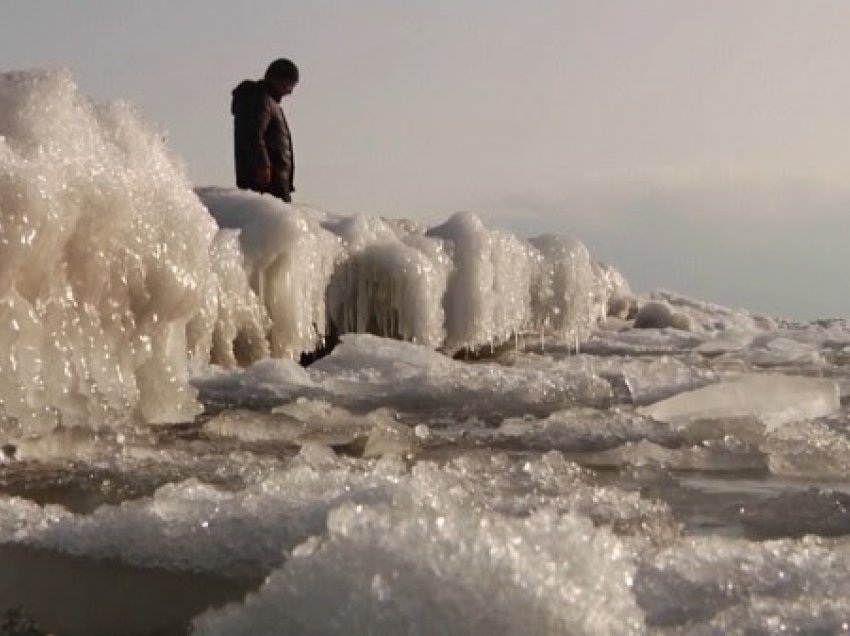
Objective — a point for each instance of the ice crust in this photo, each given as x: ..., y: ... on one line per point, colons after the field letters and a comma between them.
x: 117, y: 278
x: 366, y: 372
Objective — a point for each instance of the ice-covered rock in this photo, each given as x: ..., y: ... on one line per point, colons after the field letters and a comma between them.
x: 567, y: 298
x: 289, y: 259
x: 388, y: 287
x: 658, y: 315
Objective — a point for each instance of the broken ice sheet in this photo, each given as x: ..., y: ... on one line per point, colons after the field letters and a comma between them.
x: 772, y: 400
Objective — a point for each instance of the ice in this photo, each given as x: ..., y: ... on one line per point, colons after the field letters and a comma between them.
x: 105, y: 253
x: 118, y: 278
x: 484, y: 575
x: 565, y: 473
x: 658, y: 315
x: 230, y: 328
x: 488, y: 294
x: 711, y: 317
x: 387, y: 287
x: 289, y: 259
x: 783, y: 351
x: 192, y: 526
x: 727, y: 341
x: 773, y: 400
x: 429, y: 562
x: 809, y: 449
x: 711, y: 586
x: 641, y: 342
x: 365, y: 372
x: 568, y: 298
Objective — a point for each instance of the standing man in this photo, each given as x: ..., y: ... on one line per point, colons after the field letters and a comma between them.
x: 262, y: 141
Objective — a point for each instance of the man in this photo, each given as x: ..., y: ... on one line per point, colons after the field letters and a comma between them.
x: 262, y: 141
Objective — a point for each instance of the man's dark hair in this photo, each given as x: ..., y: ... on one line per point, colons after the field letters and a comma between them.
x: 283, y: 70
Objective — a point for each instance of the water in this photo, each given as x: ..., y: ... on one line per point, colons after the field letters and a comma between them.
x: 168, y: 466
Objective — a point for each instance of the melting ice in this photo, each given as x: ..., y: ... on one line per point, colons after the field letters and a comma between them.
x: 505, y: 440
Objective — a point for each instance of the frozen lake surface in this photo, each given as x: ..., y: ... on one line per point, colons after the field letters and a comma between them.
x: 506, y: 440
x: 388, y: 498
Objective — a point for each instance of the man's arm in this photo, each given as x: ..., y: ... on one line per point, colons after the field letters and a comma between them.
x: 251, y: 126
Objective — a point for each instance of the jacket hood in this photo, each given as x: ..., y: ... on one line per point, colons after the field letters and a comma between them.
x: 247, y: 90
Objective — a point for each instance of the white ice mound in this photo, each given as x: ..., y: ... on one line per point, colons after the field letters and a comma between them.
x: 773, y: 400
x: 289, y: 259
x: 115, y: 280
x: 489, y: 290
x: 104, y: 254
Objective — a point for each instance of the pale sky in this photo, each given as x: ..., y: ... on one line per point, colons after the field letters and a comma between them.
x: 698, y: 145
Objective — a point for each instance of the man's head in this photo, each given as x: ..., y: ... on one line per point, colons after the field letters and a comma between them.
x: 282, y: 76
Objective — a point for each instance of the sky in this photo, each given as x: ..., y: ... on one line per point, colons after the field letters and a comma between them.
x: 699, y: 146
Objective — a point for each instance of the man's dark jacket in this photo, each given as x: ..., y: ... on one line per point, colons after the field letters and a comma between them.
x: 261, y: 138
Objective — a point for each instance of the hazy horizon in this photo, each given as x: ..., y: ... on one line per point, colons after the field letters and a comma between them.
x: 697, y: 145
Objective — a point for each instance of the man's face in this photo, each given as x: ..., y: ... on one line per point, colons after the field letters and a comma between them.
x: 282, y: 87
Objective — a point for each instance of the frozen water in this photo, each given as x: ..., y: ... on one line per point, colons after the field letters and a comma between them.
x: 105, y: 254
x: 773, y: 400
x: 116, y: 274
x: 289, y: 258
x: 365, y: 372
x: 470, y: 574
x: 567, y: 473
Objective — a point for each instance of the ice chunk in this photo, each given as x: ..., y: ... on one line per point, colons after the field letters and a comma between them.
x: 433, y: 568
x: 809, y: 449
x: 710, y: 317
x: 371, y: 371
x: 727, y: 341
x: 651, y: 380
x: 773, y: 400
x: 252, y: 426
x: 783, y: 351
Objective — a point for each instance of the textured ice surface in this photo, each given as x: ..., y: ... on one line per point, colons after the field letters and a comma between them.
x: 427, y: 567
x: 741, y: 587
x: 105, y: 254
x: 289, y: 258
x: 453, y: 552
x: 365, y: 372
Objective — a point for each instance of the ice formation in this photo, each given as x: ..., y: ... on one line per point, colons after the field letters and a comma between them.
x: 689, y: 477
x: 115, y: 277
x: 104, y: 258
